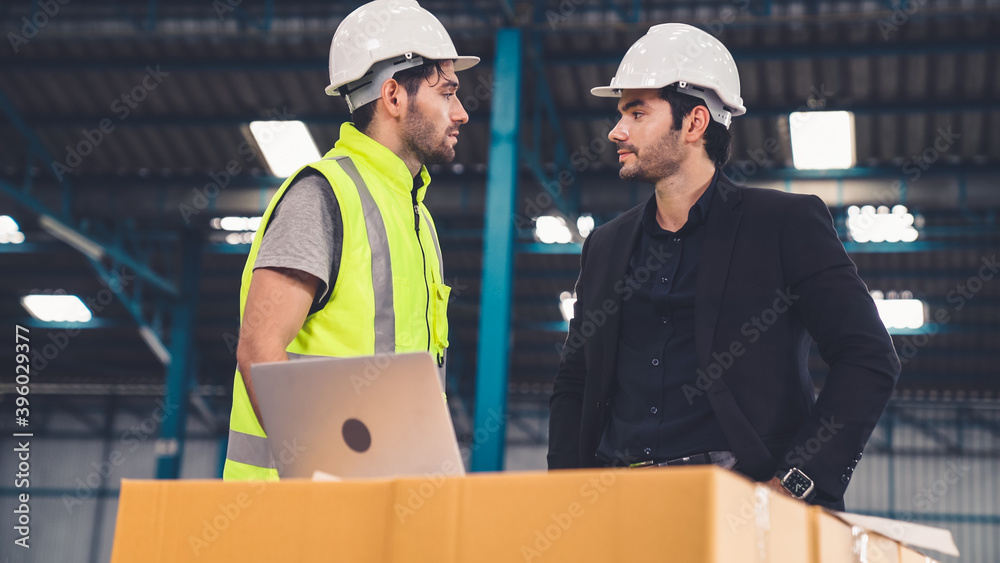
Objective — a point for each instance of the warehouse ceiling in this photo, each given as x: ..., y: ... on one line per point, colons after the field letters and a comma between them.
x: 127, y: 124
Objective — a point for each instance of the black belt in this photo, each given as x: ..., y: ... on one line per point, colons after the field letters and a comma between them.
x: 724, y: 459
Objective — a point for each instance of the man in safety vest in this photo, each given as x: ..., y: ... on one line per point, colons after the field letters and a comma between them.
x: 346, y: 261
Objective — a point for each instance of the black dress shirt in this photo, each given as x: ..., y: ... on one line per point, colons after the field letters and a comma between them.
x: 651, y: 418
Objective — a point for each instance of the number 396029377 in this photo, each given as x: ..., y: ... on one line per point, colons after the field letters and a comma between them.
x: 22, y: 377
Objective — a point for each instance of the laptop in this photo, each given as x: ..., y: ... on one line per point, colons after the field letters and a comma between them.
x: 373, y: 416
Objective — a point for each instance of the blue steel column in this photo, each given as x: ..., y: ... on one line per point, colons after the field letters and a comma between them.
x: 170, y: 446
x: 493, y: 357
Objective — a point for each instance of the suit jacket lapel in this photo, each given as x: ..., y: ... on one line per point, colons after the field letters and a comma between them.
x: 721, y: 226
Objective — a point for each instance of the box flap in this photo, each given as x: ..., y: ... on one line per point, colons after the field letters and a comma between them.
x: 917, y: 535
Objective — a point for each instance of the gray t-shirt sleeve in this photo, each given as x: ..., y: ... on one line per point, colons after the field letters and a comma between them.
x: 306, y: 233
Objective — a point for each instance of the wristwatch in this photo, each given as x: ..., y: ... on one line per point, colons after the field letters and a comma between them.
x: 797, y: 483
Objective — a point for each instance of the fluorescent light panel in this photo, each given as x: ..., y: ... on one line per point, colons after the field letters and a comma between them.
x: 10, y: 232
x: 868, y: 224
x: 822, y: 140
x: 901, y: 313
x: 57, y: 308
x: 287, y: 145
x: 552, y: 230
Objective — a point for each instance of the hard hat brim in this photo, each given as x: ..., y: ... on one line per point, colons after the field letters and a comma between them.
x: 461, y: 63
x: 606, y: 92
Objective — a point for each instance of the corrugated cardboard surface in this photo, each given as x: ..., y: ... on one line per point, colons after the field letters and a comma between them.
x: 691, y: 514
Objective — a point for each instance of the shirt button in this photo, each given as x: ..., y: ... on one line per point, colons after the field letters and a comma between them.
x: 664, y: 320
x: 647, y: 451
x: 677, y: 239
x: 653, y: 410
x: 656, y: 362
x: 664, y: 280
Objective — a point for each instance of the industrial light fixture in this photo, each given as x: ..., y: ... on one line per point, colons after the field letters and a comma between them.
x: 822, y: 140
x: 585, y: 224
x: 552, y: 230
x: 57, y: 308
x: 235, y: 223
x: 870, y: 224
x: 10, y: 232
x: 566, y: 302
x: 287, y: 145
x: 899, y: 310
x: 71, y: 237
x: 240, y: 238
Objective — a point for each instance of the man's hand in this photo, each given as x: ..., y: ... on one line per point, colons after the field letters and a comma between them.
x: 775, y: 484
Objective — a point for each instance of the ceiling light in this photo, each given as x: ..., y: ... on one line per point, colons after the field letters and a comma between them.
x: 822, y: 140
x: 57, y: 308
x: 287, y: 145
x: 868, y: 224
x: 900, y: 313
x: 551, y: 230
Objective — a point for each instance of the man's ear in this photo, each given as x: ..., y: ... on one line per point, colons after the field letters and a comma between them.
x: 696, y: 123
x: 394, y: 97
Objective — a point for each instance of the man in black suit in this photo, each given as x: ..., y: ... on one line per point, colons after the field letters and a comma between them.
x: 691, y: 330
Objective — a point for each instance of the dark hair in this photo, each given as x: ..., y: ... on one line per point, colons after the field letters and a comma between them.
x: 717, y: 137
x: 410, y: 79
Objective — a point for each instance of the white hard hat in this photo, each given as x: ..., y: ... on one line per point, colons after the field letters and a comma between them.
x: 397, y: 33
x: 698, y: 63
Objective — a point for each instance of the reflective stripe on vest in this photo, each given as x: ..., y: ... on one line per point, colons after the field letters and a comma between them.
x: 385, y: 314
x: 249, y: 449
x: 254, y: 450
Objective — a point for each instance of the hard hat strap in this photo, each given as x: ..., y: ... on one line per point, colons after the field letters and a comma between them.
x: 369, y: 87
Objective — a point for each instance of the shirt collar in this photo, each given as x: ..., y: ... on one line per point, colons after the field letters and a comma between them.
x: 696, y: 215
x: 380, y: 161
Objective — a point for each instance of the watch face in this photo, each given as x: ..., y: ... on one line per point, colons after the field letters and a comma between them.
x: 797, y: 483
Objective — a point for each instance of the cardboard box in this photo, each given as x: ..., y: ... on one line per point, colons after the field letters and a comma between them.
x: 691, y: 514
x: 836, y: 541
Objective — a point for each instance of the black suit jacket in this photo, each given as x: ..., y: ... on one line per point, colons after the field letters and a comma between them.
x: 772, y: 273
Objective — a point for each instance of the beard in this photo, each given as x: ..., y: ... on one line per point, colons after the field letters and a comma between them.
x: 422, y: 138
x: 660, y: 160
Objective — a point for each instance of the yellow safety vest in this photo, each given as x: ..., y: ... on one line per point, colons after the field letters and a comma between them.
x: 389, y: 295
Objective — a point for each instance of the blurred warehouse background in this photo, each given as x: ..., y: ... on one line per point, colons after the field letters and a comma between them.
x: 130, y: 177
